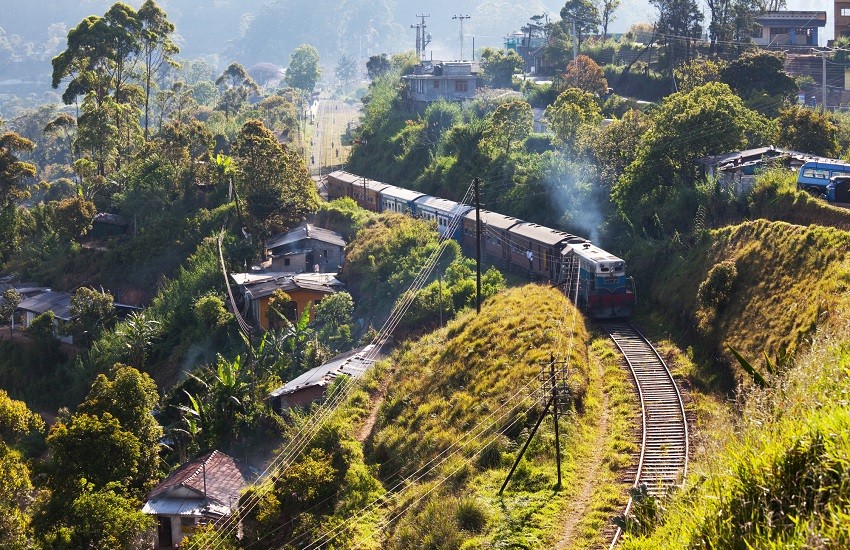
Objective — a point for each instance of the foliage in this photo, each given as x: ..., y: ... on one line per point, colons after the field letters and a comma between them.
x: 656, y: 184
x: 510, y: 122
x: 346, y: 69
x: 574, y: 110
x: 303, y: 71
x: 679, y: 22
x: 73, y: 216
x: 343, y: 216
x: 335, y: 322
x: 584, y: 74
x: 377, y: 65
x: 273, y: 180
x: 93, y: 312
x: 699, y: 72
x: 499, y: 66
x: 807, y: 130
x: 715, y: 290
x: 8, y: 304
x: 582, y: 15
x: 756, y: 73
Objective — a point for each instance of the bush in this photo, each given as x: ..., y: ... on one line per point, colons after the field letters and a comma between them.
x: 471, y: 515
x: 715, y: 290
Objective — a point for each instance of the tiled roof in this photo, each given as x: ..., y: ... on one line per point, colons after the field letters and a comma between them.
x: 222, y: 476
x: 57, y: 302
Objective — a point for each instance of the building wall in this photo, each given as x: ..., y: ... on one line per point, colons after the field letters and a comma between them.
x: 842, y: 19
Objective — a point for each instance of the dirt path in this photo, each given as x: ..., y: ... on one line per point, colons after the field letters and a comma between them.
x: 579, y: 506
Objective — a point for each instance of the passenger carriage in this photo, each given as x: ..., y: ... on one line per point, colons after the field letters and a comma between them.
x: 396, y: 199
x: 442, y: 212
x: 494, y: 235
x: 339, y: 184
x: 537, y: 249
x: 367, y: 193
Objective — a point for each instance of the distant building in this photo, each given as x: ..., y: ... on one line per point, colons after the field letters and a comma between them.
x: 736, y: 171
x: 105, y: 224
x: 311, y: 386
x: 842, y: 18
x: 530, y: 49
x: 305, y: 247
x: 305, y: 289
x: 200, y: 491
x: 789, y: 28
x: 57, y: 302
x: 450, y: 80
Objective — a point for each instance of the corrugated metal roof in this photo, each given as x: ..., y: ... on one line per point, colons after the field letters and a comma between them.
x: 266, y: 287
x: 303, y: 232
x: 353, y: 363
x: 190, y: 507
x: 57, y: 302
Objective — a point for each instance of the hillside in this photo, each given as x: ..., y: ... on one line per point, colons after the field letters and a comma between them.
x: 460, y: 402
x: 779, y: 478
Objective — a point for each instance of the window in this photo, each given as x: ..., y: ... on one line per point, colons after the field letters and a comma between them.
x: 845, y: 12
x: 324, y: 253
x: 460, y: 85
x: 286, y: 261
x: 812, y: 173
x: 778, y: 30
x: 436, y: 84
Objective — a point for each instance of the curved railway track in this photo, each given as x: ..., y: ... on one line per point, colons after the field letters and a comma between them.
x: 663, y: 461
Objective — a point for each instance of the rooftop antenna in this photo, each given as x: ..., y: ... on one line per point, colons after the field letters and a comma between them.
x: 461, y: 18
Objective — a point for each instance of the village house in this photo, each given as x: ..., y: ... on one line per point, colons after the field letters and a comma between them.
x: 57, y: 302
x: 307, y: 248
x: 789, y: 28
x: 736, y: 171
x: 311, y: 386
x: 105, y: 224
x: 305, y: 289
x: 200, y: 491
x: 435, y: 80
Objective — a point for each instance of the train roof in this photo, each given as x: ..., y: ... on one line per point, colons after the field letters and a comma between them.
x: 493, y: 219
x: 542, y: 234
x: 400, y: 193
x: 342, y: 175
x: 442, y: 205
x: 591, y: 252
x: 373, y: 185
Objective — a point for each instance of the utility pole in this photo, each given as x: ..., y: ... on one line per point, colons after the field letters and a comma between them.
x: 422, y: 37
x: 461, y: 18
x: 554, y: 384
x: 823, y: 77
x: 477, y: 192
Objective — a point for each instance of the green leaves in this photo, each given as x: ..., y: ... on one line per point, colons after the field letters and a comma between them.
x: 749, y: 369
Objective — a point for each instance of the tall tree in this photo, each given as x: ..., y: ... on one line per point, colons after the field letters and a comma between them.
x: 303, y: 72
x: 157, y: 47
x: 499, y: 66
x: 94, y: 312
x: 13, y: 178
x: 572, y: 111
x: 680, y: 22
x: 377, y: 65
x: 608, y: 8
x: 272, y: 180
x: 586, y: 75
x: 346, y: 69
x: 236, y: 86
x: 510, y: 122
x: 584, y: 14
x: 808, y: 131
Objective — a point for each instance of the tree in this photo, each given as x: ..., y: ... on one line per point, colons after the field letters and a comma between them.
x: 334, y: 317
x: 755, y: 76
x: 510, y: 122
x: 615, y: 146
x: 679, y: 21
x: 73, y: 216
x: 583, y: 73
x: 608, y: 7
x: 139, y: 332
x: 499, y: 66
x: 272, y: 180
x: 236, y: 86
x: 346, y: 69
x: 572, y: 111
x: 807, y: 130
x: 377, y: 65
x: 698, y: 72
x: 281, y: 309
x: 130, y: 397
x: 93, y: 311
x: 157, y: 48
x: 582, y: 13
x: 14, y: 172
x: 303, y: 72
x: 8, y: 304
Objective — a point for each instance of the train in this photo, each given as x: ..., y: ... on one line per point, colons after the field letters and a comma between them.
x: 597, y: 278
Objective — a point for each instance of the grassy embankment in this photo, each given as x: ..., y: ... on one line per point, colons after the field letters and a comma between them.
x: 774, y: 472
x: 452, y: 392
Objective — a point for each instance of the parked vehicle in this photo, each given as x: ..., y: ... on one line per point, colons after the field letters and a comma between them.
x: 814, y: 177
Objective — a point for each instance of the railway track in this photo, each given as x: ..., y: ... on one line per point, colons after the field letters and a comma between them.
x: 663, y: 461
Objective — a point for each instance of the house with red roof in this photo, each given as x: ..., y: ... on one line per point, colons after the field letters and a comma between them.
x: 200, y: 491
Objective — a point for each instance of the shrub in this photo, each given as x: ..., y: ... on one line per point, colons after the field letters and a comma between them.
x: 715, y: 290
x: 471, y: 515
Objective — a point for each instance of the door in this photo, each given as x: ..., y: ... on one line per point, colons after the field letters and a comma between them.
x: 163, y: 532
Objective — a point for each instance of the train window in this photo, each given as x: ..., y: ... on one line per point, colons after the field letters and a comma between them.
x: 604, y: 269
x: 836, y: 173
